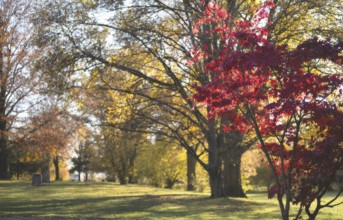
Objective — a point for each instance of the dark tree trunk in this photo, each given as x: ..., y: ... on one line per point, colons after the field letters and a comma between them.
x: 132, y: 179
x: 132, y: 159
x: 4, y: 153
x: 232, y: 182
x: 4, y: 163
x: 224, y: 166
x: 170, y: 183
x: 79, y: 175
x: 86, y: 176
x: 216, y: 184
x: 57, y: 168
x: 122, y: 179
x: 214, y: 162
x: 191, y: 172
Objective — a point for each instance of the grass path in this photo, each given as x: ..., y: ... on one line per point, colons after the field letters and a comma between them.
x: 112, y: 201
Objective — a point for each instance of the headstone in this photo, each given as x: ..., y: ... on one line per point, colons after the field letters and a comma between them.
x: 36, y: 179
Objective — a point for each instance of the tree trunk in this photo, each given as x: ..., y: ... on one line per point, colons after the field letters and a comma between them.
x: 122, y: 179
x: 216, y: 184
x: 132, y: 159
x: 4, y: 153
x: 232, y: 182
x: 191, y: 173
x: 215, y: 159
x: 4, y: 163
x: 170, y: 183
x: 57, y: 168
x: 79, y: 175
x: 224, y: 163
x: 214, y: 162
x: 132, y: 179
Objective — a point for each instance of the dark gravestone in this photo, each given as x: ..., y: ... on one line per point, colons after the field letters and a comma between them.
x: 36, y: 179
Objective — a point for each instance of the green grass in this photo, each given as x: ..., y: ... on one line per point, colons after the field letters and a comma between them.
x: 110, y: 200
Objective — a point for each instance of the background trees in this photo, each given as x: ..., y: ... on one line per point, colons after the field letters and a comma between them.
x: 151, y: 41
x: 156, y: 55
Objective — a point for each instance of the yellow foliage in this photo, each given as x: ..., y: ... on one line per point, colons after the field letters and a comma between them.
x: 161, y: 161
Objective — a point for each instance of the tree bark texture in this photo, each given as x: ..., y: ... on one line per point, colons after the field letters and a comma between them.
x: 57, y: 168
x: 232, y: 182
x: 191, y: 172
x: 214, y: 162
x: 4, y: 163
x: 4, y: 154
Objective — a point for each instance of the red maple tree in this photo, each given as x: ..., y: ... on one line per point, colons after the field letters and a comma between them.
x: 273, y: 91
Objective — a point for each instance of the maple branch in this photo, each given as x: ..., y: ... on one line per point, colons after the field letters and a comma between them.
x: 328, y: 204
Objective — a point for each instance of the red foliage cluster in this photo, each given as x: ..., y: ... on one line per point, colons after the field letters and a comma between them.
x: 264, y: 88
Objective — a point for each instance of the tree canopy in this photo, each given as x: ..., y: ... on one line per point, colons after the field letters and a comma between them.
x: 188, y: 85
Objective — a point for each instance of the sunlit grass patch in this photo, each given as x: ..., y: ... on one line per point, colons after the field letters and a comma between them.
x: 110, y: 200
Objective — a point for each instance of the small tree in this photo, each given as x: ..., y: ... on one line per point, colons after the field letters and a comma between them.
x: 82, y: 160
x: 276, y: 93
x: 162, y: 163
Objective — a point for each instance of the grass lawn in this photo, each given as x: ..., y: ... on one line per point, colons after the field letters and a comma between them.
x: 110, y: 200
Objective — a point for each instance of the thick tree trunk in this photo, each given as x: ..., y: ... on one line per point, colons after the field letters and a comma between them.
x: 216, y: 184
x: 232, y: 182
x: 57, y: 168
x: 122, y: 179
x: 224, y: 164
x: 4, y: 153
x: 4, y: 163
x: 191, y: 173
x: 214, y: 162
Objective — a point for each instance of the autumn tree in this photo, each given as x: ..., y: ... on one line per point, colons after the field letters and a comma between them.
x: 48, y: 135
x: 16, y: 80
x: 160, y: 166
x: 292, y: 22
x: 273, y: 92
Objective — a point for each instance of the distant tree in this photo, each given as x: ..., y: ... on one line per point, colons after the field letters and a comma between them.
x: 81, y: 163
x: 251, y: 162
x: 161, y: 164
x: 47, y: 136
x: 263, y: 176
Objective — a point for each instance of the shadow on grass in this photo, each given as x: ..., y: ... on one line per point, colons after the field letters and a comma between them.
x: 144, y: 206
